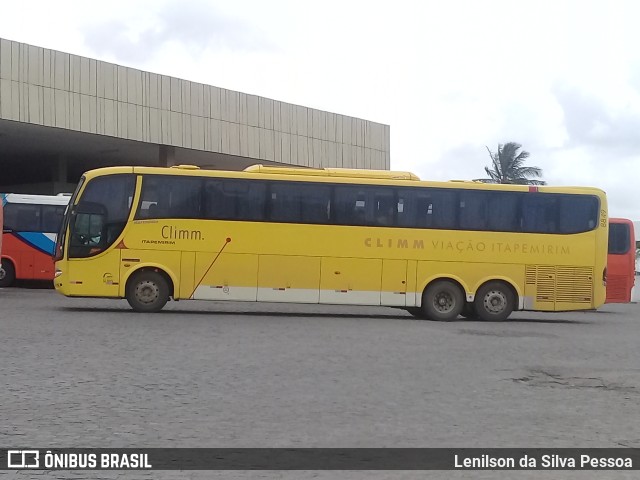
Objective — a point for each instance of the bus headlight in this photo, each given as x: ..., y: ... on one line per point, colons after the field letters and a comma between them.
x: 57, y: 273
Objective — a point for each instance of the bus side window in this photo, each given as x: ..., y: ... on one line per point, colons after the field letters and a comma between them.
x: 231, y: 199
x: 316, y: 203
x: 503, y: 212
x: 407, y: 208
x: 215, y: 202
x: 578, y: 213
x: 539, y: 213
x: 22, y: 217
x: 473, y: 210
x: 385, y: 207
x: 51, y: 218
x: 359, y: 211
x: 350, y: 206
x: 153, y: 210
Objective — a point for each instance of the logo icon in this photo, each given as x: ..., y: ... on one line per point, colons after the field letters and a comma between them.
x: 23, y: 458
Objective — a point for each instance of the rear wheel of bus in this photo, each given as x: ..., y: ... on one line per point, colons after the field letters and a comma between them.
x: 7, y: 273
x: 147, y: 291
x: 442, y: 300
x: 494, y: 301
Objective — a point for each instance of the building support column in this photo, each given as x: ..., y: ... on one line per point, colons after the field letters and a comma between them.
x: 61, y: 176
x: 61, y: 171
x: 166, y: 156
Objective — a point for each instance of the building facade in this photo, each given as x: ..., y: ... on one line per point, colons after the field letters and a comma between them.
x: 62, y: 114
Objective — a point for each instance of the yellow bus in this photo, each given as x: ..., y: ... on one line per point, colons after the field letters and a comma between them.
x: 332, y: 236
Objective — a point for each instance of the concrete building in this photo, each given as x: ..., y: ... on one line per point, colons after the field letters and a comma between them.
x: 62, y: 114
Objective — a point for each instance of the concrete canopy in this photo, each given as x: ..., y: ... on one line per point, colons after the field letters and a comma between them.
x: 62, y: 114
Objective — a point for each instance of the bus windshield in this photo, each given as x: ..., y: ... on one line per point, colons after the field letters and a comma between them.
x: 620, y: 261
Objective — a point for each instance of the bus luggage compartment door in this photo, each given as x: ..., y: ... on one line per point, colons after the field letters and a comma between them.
x: 354, y: 281
x: 394, y: 283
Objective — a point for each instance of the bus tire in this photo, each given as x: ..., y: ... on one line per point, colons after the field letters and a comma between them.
x: 469, y: 311
x: 7, y: 273
x: 442, y: 300
x: 494, y: 301
x: 147, y: 291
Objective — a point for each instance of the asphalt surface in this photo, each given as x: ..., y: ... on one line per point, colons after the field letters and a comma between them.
x: 91, y: 373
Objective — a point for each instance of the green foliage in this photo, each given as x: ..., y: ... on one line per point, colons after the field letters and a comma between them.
x: 508, y: 166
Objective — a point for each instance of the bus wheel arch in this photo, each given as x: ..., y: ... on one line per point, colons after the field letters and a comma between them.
x: 148, y: 289
x: 443, y: 299
x: 495, y: 300
x: 7, y: 272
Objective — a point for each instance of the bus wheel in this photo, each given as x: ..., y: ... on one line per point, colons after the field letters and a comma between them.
x: 442, y: 301
x: 494, y: 302
x: 7, y: 273
x: 147, y: 291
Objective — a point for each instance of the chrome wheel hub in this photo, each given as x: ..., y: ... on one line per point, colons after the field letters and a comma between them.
x: 147, y: 292
x: 443, y: 302
x: 495, y: 301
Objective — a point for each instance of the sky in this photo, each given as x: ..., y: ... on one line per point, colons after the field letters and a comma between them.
x: 451, y: 77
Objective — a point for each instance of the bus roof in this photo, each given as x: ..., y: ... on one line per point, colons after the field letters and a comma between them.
x: 332, y: 172
x: 61, y: 199
x: 621, y: 220
x: 339, y: 175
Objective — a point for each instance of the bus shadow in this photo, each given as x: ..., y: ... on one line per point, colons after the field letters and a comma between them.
x: 561, y: 321
x: 400, y: 317
x: 243, y: 313
x: 33, y: 284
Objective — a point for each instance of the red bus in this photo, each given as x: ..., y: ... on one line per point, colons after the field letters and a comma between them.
x: 621, y: 261
x: 1, y: 209
x: 31, y: 223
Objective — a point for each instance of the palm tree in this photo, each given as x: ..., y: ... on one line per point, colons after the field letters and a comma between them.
x: 508, y: 166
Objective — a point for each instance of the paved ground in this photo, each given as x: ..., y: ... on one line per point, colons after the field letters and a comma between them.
x: 89, y: 372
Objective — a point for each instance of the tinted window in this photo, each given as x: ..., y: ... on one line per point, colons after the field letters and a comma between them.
x: 503, y: 211
x: 301, y: 203
x: 385, y: 207
x: 52, y: 217
x: 102, y: 212
x: 114, y: 192
x: 359, y: 205
x: 619, y: 236
x: 427, y: 208
x: 410, y: 207
x: 230, y: 199
x: 540, y: 213
x: 351, y: 206
x: 170, y: 197
x: 555, y: 213
x: 22, y: 217
x: 578, y: 213
x: 473, y: 210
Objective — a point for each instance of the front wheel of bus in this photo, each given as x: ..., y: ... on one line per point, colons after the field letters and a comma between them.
x: 7, y: 273
x: 494, y: 302
x: 442, y: 301
x: 147, y: 291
